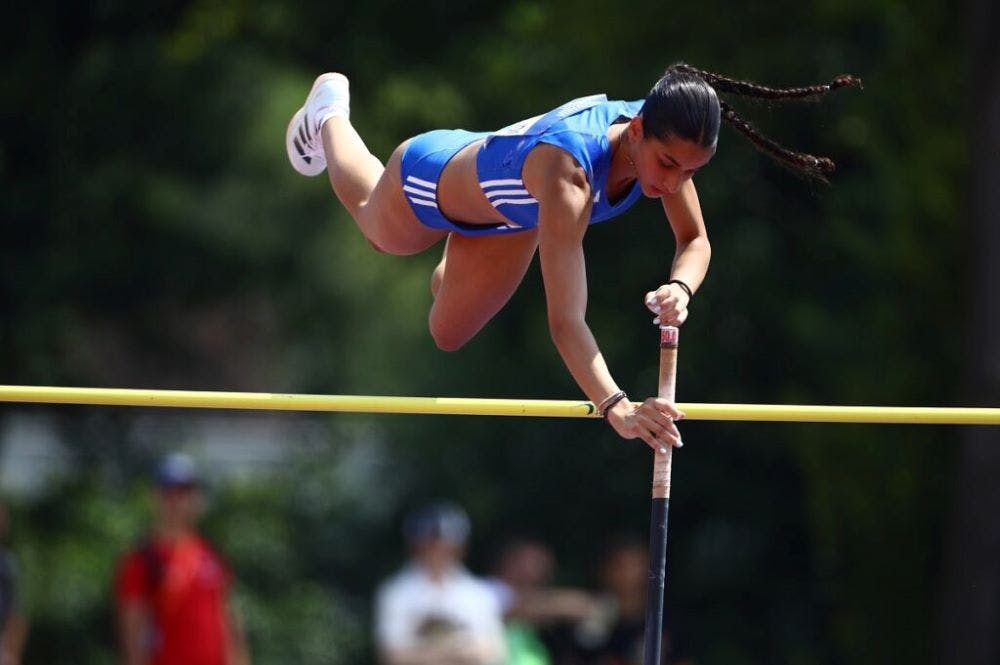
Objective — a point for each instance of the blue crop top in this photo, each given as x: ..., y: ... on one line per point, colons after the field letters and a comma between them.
x: 580, y: 128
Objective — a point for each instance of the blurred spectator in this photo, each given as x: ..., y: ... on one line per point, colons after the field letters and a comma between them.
x: 521, y: 581
x: 433, y: 612
x: 614, y: 634
x: 172, y: 589
x: 13, y: 626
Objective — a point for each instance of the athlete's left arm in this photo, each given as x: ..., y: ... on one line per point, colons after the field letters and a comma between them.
x: 691, y: 257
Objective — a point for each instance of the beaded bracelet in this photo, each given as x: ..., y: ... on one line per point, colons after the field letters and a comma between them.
x: 609, y: 402
x: 684, y: 287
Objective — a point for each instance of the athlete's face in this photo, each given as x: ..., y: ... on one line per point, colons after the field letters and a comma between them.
x: 663, y: 165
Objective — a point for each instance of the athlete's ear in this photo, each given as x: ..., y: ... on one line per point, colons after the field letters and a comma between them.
x: 635, y: 129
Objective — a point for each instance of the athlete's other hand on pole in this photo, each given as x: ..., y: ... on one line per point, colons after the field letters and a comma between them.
x: 653, y: 421
x: 669, y: 304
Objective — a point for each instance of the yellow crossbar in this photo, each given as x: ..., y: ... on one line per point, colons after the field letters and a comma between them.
x: 550, y: 408
x: 199, y: 399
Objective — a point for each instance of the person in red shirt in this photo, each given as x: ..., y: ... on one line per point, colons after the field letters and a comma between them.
x: 172, y: 589
x: 13, y: 624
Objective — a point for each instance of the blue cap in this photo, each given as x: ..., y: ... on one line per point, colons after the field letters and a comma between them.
x: 177, y: 470
x: 444, y: 520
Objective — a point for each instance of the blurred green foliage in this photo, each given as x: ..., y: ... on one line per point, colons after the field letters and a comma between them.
x: 155, y: 236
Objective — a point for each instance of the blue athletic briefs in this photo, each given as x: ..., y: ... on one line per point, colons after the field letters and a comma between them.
x: 579, y: 127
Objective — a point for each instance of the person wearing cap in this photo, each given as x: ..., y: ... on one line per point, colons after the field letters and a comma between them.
x: 172, y: 590
x: 433, y: 611
x: 13, y: 626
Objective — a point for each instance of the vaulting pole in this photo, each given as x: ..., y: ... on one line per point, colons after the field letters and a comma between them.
x: 669, y: 337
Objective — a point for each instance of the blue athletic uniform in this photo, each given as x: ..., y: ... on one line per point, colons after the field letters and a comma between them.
x: 579, y: 127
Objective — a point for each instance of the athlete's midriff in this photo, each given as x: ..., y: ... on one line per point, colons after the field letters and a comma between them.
x: 460, y: 198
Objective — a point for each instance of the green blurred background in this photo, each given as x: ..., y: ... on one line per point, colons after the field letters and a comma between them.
x: 154, y: 236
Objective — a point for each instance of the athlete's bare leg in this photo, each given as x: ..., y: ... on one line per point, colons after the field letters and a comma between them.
x: 373, y: 194
x: 353, y: 170
x: 320, y: 135
x: 475, y: 279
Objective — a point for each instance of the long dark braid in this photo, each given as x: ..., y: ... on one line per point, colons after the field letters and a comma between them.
x: 750, y: 89
x: 799, y: 162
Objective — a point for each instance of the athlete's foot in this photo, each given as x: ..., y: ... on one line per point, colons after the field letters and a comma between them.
x: 330, y: 96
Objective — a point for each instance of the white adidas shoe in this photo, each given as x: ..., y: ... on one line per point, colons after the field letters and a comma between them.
x: 330, y: 96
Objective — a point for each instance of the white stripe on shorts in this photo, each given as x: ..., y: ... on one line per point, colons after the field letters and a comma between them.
x: 422, y: 202
x: 422, y: 183
x: 506, y: 182
x: 498, y: 202
x: 419, y: 192
x: 507, y: 192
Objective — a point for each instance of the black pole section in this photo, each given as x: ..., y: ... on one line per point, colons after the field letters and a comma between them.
x: 657, y: 579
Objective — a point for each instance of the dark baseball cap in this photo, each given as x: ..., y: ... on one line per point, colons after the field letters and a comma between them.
x: 177, y: 470
x: 442, y: 519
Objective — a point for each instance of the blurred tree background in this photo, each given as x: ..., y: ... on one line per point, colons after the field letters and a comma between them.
x: 154, y: 236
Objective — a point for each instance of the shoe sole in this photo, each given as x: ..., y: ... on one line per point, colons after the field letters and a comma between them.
x: 308, y: 166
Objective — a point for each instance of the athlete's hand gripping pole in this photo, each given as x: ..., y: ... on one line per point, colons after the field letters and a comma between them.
x: 669, y: 336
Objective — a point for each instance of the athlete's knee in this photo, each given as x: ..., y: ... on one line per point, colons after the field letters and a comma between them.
x: 375, y: 246
x: 448, y: 344
x: 373, y: 229
x: 447, y: 340
x: 448, y: 337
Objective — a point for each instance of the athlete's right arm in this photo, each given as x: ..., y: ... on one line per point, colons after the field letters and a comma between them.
x: 564, y: 200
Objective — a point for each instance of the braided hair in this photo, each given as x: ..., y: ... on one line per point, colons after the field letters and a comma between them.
x: 684, y: 103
